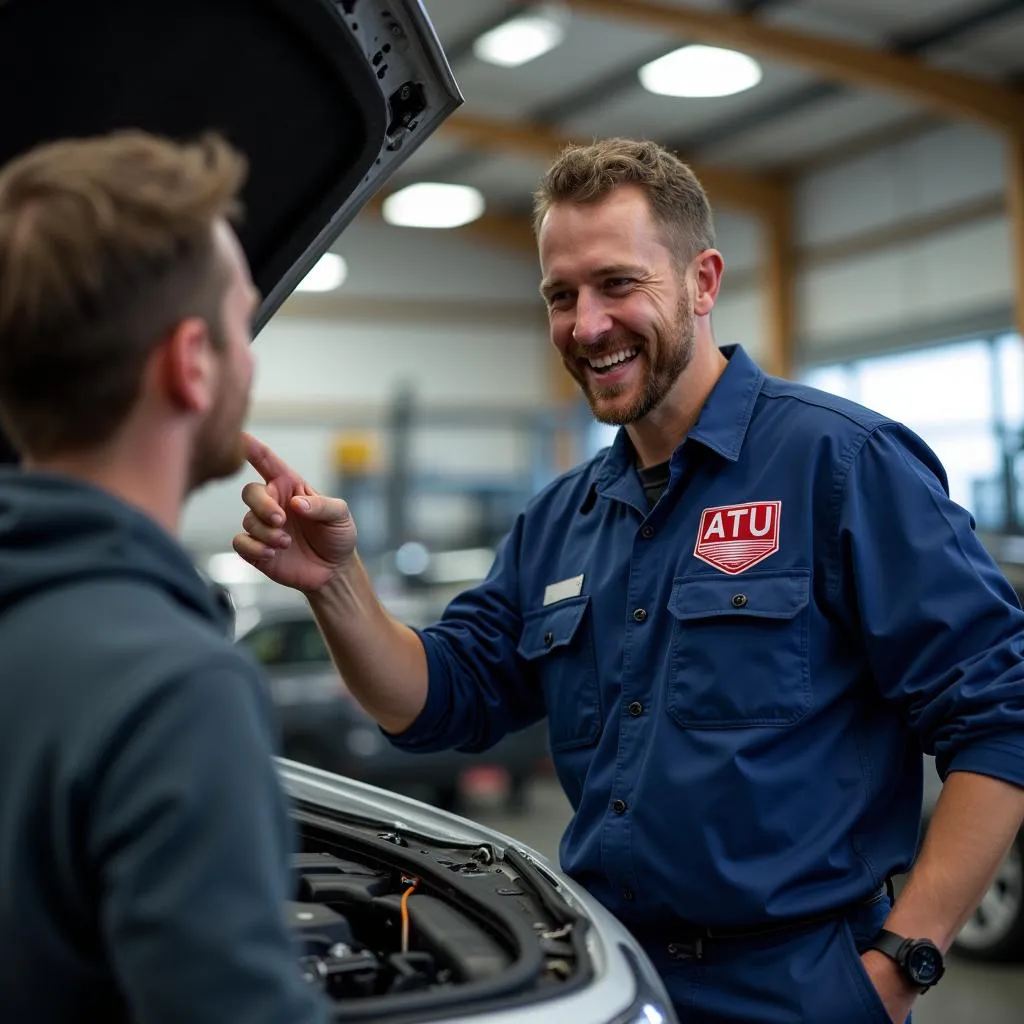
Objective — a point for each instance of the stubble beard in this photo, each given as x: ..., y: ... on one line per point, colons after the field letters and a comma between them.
x: 219, y: 450
x: 659, y: 379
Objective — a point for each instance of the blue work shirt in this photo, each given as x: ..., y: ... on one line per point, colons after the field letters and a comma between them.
x: 741, y: 680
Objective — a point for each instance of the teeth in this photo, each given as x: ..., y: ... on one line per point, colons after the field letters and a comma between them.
x: 616, y: 357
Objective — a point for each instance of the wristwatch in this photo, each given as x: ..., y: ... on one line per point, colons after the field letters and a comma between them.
x: 920, y: 960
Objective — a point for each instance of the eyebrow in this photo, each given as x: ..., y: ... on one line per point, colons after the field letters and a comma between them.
x: 612, y: 270
x: 619, y: 270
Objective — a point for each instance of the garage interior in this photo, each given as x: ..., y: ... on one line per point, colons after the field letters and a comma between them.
x: 867, y: 177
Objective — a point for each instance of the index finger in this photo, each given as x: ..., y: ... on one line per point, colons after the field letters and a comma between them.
x: 263, y: 460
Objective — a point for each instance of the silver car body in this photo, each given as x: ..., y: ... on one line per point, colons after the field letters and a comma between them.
x: 619, y: 991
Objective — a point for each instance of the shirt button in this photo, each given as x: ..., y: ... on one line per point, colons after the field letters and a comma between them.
x: 647, y: 532
x: 636, y: 709
x: 639, y: 615
x: 627, y: 894
x: 549, y: 639
x: 739, y: 601
x: 619, y: 806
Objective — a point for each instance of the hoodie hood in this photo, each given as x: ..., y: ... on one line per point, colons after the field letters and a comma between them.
x: 55, y: 530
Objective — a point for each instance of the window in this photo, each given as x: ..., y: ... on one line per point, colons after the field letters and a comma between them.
x: 1009, y: 370
x: 268, y: 643
x: 837, y: 379
x: 309, y: 645
x: 956, y: 397
x: 937, y: 387
x: 601, y: 435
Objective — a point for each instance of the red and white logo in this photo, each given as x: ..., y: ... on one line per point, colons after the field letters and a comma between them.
x: 735, y: 537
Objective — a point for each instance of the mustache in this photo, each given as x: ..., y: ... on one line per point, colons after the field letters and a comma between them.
x: 615, y: 343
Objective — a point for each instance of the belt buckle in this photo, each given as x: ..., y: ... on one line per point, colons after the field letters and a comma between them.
x: 693, y: 950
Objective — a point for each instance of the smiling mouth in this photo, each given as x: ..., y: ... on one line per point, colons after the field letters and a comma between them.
x: 612, y: 361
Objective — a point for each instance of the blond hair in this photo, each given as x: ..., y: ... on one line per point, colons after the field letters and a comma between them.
x: 105, y: 245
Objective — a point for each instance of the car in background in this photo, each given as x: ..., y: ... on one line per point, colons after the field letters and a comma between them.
x: 995, y: 931
x: 323, y: 725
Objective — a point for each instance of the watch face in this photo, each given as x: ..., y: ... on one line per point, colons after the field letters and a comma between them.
x: 924, y: 962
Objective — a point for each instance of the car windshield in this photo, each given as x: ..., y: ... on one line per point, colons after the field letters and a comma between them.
x: 287, y: 643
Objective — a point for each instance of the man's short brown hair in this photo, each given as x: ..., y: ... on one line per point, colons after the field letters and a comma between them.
x: 105, y: 245
x: 589, y: 173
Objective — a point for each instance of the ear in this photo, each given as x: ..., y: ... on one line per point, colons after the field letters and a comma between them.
x: 188, y: 367
x: 708, y: 270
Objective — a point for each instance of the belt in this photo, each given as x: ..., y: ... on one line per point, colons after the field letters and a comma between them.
x: 688, y: 939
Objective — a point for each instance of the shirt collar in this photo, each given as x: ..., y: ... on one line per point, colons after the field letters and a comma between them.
x: 723, y: 421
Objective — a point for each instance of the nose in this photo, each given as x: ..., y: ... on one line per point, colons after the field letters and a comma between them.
x: 592, y: 319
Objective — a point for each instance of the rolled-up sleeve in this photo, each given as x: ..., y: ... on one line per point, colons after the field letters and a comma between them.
x: 480, y: 689
x: 942, y: 628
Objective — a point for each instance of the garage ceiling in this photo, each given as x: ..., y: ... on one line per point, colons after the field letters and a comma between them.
x: 840, y: 78
x: 797, y: 115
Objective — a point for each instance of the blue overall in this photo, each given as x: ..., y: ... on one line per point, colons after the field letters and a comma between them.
x: 740, y: 681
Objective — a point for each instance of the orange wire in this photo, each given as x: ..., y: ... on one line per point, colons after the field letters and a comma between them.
x: 405, y: 914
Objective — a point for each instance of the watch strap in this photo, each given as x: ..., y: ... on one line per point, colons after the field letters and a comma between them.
x: 888, y: 943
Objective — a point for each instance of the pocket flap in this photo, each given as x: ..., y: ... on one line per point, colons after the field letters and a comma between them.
x: 768, y: 596
x: 551, y: 628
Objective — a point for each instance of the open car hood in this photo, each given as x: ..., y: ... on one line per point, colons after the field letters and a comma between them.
x: 498, y: 935
x: 327, y: 98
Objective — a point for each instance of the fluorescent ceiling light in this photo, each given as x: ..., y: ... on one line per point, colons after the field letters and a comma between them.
x: 433, y: 205
x: 700, y: 71
x: 329, y: 272
x: 523, y: 38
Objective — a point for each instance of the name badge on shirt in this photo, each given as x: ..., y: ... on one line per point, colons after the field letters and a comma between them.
x: 555, y: 592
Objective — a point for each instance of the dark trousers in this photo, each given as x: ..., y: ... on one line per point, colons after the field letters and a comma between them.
x: 810, y: 976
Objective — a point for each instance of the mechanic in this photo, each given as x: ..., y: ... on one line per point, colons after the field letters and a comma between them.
x: 745, y: 621
x: 145, y: 844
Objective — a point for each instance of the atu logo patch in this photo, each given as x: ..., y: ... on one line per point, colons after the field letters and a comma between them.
x: 735, y: 537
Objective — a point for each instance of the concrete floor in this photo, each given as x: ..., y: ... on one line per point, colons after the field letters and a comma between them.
x: 969, y: 994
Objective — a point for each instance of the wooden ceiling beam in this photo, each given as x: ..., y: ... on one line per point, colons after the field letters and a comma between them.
x: 1015, y: 204
x: 726, y: 187
x: 778, y: 285
x: 753, y: 194
x: 947, y: 92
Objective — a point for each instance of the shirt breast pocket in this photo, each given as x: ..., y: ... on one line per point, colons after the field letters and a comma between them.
x: 739, y: 650
x: 558, y: 643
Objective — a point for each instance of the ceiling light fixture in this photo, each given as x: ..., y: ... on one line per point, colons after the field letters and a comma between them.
x: 523, y: 38
x: 700, y: 71
x: 433, y: 205
x: 329, y: 272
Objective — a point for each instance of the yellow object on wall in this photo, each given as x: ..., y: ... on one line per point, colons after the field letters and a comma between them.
x: 356, y: 453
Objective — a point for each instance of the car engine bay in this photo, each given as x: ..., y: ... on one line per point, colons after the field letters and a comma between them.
x: 400, y: 925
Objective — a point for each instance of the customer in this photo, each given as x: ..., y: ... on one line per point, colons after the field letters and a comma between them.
x: 745, y: 622
x: 144, y: 839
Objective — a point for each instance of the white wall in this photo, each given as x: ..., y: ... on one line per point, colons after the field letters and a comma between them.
x: 739, y: 312
x: 953, y: 276
x: 936, y: 280
x: 957, y: 273
x: 459, y: 324
x: 923, y: 175
x: 402, y: 263
x: 364, y: 360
